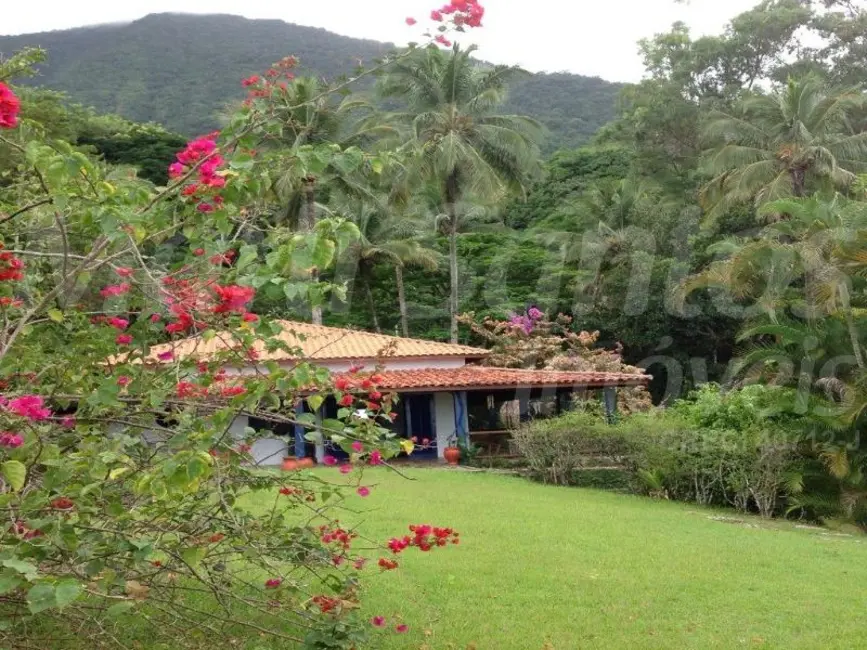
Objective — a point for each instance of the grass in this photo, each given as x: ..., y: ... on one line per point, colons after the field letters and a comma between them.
x: 552, y: 568
x: 578, y: 568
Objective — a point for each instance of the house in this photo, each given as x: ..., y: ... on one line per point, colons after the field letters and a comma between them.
x: 444, y: 392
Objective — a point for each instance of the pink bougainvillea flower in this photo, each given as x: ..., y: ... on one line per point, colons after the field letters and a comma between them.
x: 378, y: 621
x: 329, y: 460
x: 436, y: 15
x: 358, y: 565
x: 400, y: 629
x: 10, y: 440
x: 176, y: 169
x: 10, y: 106
x: 205, y: 208
x: 124, y: 380
x: 233, y: 298
x: 249, y: 318
x: 250, y: 81
x: 375, y: 457
x: 442, y: 40
x: 363, y: 491
x: 273, y: 583
x: 114, y: 290
x: 155, y: 318
x: 68, y: 422
x: 31, y: 407
x: 345, y: 469
x: 357, y: 446
x: 166, y: 356
x: 118, y: 323
x: 123, y: 339
x: 411, y: 21
x: 123, y: 271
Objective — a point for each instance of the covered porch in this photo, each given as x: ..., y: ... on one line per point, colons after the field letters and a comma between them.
x: 472, y: 404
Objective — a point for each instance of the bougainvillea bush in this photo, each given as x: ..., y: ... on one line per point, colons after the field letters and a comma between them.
x: 124, y: 482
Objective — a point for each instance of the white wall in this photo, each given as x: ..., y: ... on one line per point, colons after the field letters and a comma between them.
x: 265, y: 451
x: 444, y: 420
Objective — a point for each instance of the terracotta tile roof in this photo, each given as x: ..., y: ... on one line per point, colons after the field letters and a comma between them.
x: 472, y: 377
x: 318, y: 342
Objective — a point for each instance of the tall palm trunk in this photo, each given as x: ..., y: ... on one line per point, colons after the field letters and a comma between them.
x: 401, y: 299
x: 451, y: 194
x: 309, y: 223
x: 371, y: 303
x: 852, y: 329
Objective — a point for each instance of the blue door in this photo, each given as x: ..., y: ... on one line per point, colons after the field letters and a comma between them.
x: 418, y: 415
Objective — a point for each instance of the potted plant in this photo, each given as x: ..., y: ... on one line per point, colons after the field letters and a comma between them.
x: 452, y: 453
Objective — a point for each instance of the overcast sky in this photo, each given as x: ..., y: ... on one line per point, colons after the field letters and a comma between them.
x: 590, y: 37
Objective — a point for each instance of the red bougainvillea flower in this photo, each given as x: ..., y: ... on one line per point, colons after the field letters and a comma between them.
x: 216, y: 537
x: 425, y: 442
x: 357, y: 446
x: 387, y: 565
x: 250, y: 81
x: 436, y: 16
x: 411, y: 21
x: 190, y: 190
x: 363, y: 491
x: 233, y: 298
x: 123, y: 271
x: 400, y: 629
x: 10, y: 440
x: 273, y: 583
x: 249, y: 318
x: 156, y: 318
x: 345, y: 469
x: 123, y: 339
x: 199, y: 252
x: 286, y: 491
x: 62, y: 503
x: 375, y: 457
x: 166, y: 356
x: 231, y: 391
x: 375, y: 395
x: 205, y: 208
x: 10, y: 106
x: 366, y: 384
x: 442, y: 40
x: 124, y: 380
x: 31, y: 407
x: 378, y: 621
x: 114, y: 290
x: 329, y: 460
x: 118, y: 323
x: 187, y: 389
x: 342, y: 383
x: 346, y: 400
x: 373, y: 406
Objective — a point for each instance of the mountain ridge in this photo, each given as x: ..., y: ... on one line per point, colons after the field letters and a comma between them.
x: 181, y: 69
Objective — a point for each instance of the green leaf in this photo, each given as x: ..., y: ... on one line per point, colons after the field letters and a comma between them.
x: 8, y: 582
x: 315, y: 401
x: 55, y: 315
x: 15, y: 473
x: 120, y: 608
x: 20, y: 566
x: 41, y: 597
x: 66, y: 592
x: 193, y: 555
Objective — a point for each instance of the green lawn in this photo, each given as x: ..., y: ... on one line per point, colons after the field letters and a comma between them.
x: 584, y: 569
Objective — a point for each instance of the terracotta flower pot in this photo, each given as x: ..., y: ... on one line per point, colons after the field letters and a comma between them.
x: 305, y: 462
x: 289, y: 464
x: 452, y: 455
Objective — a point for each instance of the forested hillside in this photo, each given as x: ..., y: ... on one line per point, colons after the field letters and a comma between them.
x: 183, y: 70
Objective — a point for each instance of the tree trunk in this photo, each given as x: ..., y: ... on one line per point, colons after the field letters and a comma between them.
x: 798, y: 181
x: 401, y: 299
x: 451, y: 198
x: 853, y: 331
x: 308, y: 224
x: 371, y: 302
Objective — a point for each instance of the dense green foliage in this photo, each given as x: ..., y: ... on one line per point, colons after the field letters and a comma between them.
x: 183, y: 71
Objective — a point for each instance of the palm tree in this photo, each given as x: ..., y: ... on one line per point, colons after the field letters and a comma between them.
x: 785, y: 144
x: 311, y: 150
x: 457, y: 138
x: 389, y: 235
